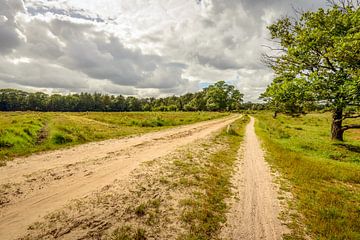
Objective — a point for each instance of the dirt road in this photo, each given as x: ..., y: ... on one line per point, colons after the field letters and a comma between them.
x: 34, y: 186
x: 256, y: 208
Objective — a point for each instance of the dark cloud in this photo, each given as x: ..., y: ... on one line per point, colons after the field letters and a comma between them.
x: 9, y: 33
x: 40, y: 74
x: 220, y: 62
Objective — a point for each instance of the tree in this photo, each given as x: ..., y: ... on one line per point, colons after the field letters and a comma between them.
x: 318, y: 61
x: 38, y: 101
x: 133, y: 104
x: 222, y: 97
x: 197, y: 103
x: 288, y: 94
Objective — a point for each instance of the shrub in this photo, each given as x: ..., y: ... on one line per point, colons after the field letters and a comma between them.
x: 5, y: 144
x: 58, y: 138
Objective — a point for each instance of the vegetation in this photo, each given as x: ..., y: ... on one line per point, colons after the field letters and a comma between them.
x: 22, y: 133
x: 318, y: 62
x: 324, y: 176
x: 127, y: 233
x: 217, y: 97
x: 205, y: 210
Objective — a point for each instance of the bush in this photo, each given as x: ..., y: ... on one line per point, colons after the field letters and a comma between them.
x: 5, y: 144
x: 58, y: 138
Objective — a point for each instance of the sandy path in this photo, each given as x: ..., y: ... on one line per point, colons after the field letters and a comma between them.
x: 48, y: 181
x: 255, y: 211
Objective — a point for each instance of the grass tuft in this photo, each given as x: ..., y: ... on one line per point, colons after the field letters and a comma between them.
x: 59, y: 138
x: 128, y: 233
x: 140, y: 210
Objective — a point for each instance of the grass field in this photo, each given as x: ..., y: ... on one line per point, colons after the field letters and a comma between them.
x: 324, y: 175
x: 22, y: 133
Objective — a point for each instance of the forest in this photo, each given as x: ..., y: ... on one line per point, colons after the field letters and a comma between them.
x: 217, y: 97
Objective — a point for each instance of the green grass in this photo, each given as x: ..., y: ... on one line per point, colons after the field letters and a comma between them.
x: 204, y: 212
x: 23, y: 133
x: 324, y: 175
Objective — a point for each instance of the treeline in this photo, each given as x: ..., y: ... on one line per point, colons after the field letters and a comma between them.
x: 218, y: 97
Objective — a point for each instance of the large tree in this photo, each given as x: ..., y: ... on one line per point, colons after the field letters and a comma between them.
x: 222, y: 97
x: 318, y: 61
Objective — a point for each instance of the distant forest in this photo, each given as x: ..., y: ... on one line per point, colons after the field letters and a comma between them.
x: 217, y: 97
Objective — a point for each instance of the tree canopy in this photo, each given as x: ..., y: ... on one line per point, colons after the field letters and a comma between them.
x: 318, y: 62
x: 217, y: 97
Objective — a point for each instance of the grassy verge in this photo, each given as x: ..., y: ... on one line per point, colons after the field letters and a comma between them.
x: 23, y: 133
x: 324, y: 175
x: 204, y: 211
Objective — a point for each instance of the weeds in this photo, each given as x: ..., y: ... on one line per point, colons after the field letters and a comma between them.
x: 128, y: 233
x: 140, y: 210
x: 59, y: 138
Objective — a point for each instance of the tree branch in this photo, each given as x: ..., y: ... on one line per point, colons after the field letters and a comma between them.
x: 274, y: 49
x: 351, y: 126
x: 354, y: 116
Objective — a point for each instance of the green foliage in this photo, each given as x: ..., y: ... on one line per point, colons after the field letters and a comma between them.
x: 324, y: 175
x: 217, y: 97
x: 59, y: 138
x: 222, y: 96
x: 319, y: 62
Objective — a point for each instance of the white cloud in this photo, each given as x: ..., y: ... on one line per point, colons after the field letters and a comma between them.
x: 137, y: 47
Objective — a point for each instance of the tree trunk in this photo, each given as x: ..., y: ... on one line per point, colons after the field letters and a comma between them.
x: 337, y: 133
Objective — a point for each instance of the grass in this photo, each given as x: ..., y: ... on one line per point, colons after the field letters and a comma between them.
x: 324, y: 175
x: 128, y: 233
x: 204, y: 212
x: 23, y: 133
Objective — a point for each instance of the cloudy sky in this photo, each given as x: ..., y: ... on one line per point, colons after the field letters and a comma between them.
x: 137, y: 47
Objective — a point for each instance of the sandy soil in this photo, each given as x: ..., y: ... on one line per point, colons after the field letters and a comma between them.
x: 256, y: 206
x: 37, y: 186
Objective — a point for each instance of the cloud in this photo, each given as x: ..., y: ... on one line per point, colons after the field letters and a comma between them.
x: 67, y: 54
x: 143, y: 48
x: 10, y: 36
x: 38, y: 9
x: 34, y: 73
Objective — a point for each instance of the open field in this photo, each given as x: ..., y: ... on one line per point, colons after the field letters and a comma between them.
x: 205, y: 180
x: 22, y: 133
x: 322, y: 175
x: 182, y: 185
